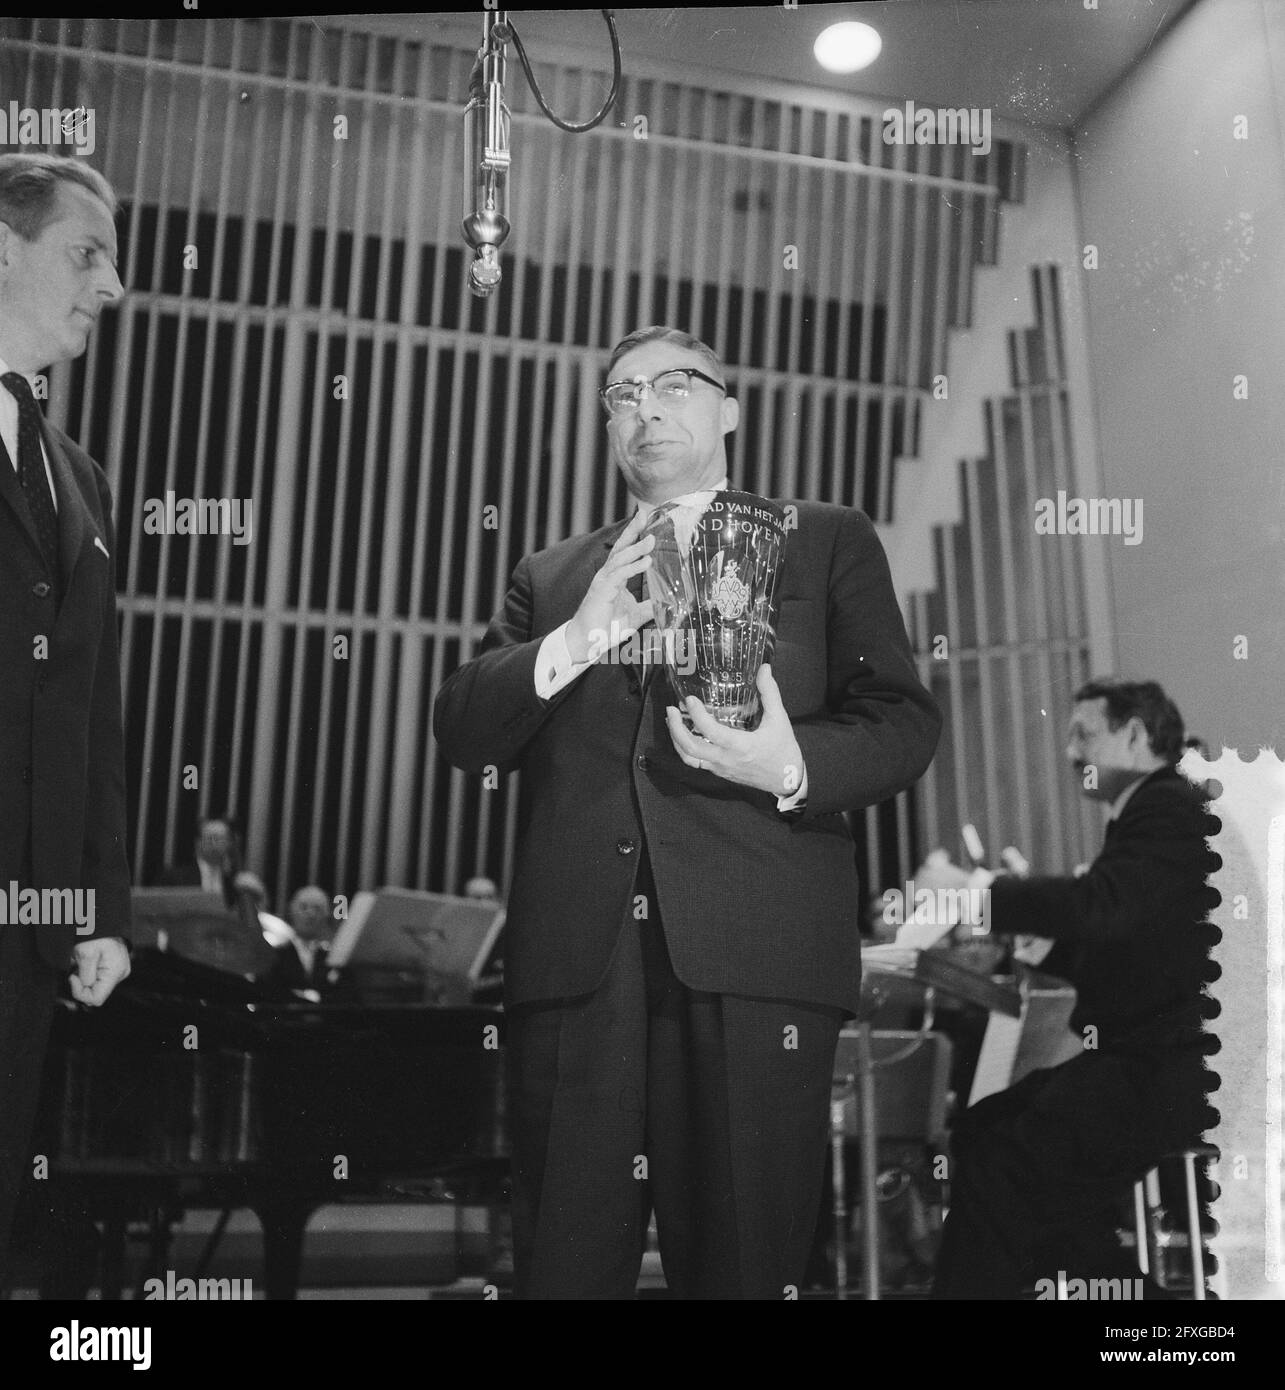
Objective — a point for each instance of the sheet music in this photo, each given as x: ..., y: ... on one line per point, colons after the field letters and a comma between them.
x: 998, y: 1055
x: 922, y: 935
x: 887, y: 956
x: 350, y: 929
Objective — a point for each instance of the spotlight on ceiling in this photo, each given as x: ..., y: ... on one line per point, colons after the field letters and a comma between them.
x: 847, y: 47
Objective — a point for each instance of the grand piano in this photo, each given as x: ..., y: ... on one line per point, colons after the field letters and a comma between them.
x: 195, y: 1086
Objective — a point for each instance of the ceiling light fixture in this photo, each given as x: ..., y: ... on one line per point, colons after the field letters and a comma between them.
x: 847, y: 47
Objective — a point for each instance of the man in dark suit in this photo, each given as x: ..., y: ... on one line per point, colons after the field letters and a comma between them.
x: 62, y: 779
x: 1040, y: 1169
x: 216, y: 865
x: 681, y: 942
x: 303, y: 961
x: 216, y: 853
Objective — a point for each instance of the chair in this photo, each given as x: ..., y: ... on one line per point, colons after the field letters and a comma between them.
x: 1147, y: 1211
x: 908, y: 1103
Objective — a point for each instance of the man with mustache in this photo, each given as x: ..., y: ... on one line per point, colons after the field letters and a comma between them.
x: 1039, y: 1170
x: 682, y: 934
x: 62, y: 778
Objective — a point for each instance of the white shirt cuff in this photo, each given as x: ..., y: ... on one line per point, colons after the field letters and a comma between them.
x: 554, y: 669
x: 797, y: 799
x: 978, y: 880
x: 1031, y: 950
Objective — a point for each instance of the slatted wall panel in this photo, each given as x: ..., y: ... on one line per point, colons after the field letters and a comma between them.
x: 320, y: 356
x: 1011, y: 604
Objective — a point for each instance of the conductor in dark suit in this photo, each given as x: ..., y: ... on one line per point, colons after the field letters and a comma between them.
x: 681, y: 942
x: 1040, y: 1170
x: 62, y: 780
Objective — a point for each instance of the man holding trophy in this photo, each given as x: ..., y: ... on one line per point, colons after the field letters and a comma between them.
x: 681, y: 942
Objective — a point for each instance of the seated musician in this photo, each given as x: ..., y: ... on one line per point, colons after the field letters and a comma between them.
x: 215, y: 859
x: 217, y: 869
x: 1039, y: 1171
x: 301, y: 962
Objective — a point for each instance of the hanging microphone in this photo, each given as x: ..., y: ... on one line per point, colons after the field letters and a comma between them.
x: 486, y: 158
x: 486, y: 143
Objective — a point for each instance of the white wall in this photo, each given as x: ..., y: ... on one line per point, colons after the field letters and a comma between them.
x: 1190, y: 226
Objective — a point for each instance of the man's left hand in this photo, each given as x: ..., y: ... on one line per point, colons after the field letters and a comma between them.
x: 768, y: 759
x: 101, y: 964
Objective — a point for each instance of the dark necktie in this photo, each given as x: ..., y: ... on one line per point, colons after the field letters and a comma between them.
x: 31, y: 471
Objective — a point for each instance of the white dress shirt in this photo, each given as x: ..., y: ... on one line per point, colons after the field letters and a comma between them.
x: 555, y: 670
x: 9, y: 428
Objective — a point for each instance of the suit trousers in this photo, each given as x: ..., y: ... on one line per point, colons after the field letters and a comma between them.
x: 27, y: 992
x: 1039, y: 1171
x: 710, y: 1109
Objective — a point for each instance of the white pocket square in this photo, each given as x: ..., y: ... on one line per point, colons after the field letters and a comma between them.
x: 98, y: 541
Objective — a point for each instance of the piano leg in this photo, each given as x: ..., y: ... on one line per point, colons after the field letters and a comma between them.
x: 159, y: 1220
x: 113, y: 1266
x: 839, y: 1188
x: 283, y: 1219
x: 869, y: 1161
x: 212, y: 1244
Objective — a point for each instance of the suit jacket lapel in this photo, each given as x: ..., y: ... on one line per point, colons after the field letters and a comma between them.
x: 72, y: 518
x: 613, y: 535
x: 11, y: 492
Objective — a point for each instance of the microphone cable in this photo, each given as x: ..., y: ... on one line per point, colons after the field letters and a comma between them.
x: 571, y: 127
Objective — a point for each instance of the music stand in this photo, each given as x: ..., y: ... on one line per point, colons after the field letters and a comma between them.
x: 439, y: 941
x: 196, y: 925
x: 855, y: 1071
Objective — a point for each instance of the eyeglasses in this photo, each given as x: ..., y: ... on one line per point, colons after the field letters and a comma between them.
x: 671, y: 386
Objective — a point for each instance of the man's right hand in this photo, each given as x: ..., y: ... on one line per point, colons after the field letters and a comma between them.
x: 609, y: 613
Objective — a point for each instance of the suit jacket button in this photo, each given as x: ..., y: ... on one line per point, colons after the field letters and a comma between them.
x: 640, y: 762
x: 624, y: 846
x: 42, y: 590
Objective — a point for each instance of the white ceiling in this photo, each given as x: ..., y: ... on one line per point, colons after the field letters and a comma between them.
x: 1041, y: 61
